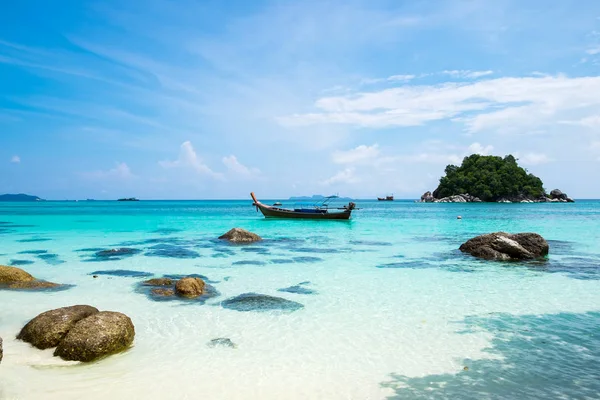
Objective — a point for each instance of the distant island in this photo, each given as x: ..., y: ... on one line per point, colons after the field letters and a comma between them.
x: 19, y: 197
x: 128, y: 199
x: 491, y: 179
x: 316, y: 197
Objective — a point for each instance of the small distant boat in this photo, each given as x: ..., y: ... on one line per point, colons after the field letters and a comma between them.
x: 319, y: 210
x: 386, y: 198
x: 128, y: 199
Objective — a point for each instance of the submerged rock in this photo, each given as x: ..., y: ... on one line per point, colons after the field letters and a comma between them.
x: 171, y: 251
x: 97, y: 336
x: 162, y: 292
x: 222, y: 342
x: 503, y: 246
x: 190, y: 287
x: 1, y: 351
x: 260, y: 302
x: 122, y: 272
x: 298, y: 289
x: 49, y: 328
x: 238, y: 235
x: 118, y: 252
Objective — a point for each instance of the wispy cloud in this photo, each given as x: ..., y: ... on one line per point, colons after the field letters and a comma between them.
x: 487, y: 104
x: 532, y: 158
x: 15, y: 159
x: 593, y: 50
x: 188, y: 158
x: 467, y: 74
x: 121, y: 171
x: 346, y: 176
x: 238, y: 169
x: 360, y: 154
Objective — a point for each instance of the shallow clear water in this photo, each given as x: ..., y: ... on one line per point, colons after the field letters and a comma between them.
x: 391, y: 308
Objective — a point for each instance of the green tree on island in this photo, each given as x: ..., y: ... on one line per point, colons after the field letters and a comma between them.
x: 490, y: 178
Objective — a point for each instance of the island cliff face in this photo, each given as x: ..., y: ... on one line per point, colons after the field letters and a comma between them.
x: 491, y: 179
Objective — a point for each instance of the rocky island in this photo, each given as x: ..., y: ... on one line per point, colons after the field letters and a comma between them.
x: 19, y: 197
x: 491, y: 179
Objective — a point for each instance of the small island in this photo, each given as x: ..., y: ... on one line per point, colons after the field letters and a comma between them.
x: 128, y: 199
x: 316, y: 197
x: 491, y: 179
x: 19, y: 197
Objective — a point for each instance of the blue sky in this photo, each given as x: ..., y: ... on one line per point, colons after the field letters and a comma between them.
x: 210, y: 99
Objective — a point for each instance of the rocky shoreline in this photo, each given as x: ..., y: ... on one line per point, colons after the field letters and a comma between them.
x: 555, y: 196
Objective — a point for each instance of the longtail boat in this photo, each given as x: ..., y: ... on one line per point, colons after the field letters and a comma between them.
x: 386, y: 198
x: 315, y: 211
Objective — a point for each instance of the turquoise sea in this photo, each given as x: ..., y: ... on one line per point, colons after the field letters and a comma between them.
x: 390, y: 307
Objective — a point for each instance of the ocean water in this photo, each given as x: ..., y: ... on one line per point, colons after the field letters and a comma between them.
x: 389, y: 307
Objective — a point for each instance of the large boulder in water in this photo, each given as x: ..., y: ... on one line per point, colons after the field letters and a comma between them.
x: 190, y: 287
x: 97, y: 336
x: 503, y: 246
x: 238, y: 235
x: 427, y: 197
x: 16, y: 278
x: 50, y: 327
x: 10, y: 275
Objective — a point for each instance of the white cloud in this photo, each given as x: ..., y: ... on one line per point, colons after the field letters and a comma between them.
x: 477, y: 148
x: 593, y: 50
x: 401, y: 77
x: 590, y: 122
x: 359, y: 154
x: 15, y: 159
x: 520, y: 104
x: 532, y: 158
x: 120, y: 171
x: 392, y: 78
x: 233, y: 165
x: 345, y: 176
x: 467, y: 74
x: 189, y: 159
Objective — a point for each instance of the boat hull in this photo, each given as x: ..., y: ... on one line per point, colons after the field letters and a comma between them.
x: 271, y: 212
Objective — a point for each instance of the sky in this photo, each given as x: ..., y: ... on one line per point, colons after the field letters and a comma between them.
x: 208, y: 99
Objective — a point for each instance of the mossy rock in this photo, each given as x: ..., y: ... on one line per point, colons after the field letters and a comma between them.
x: 97, y: 336
x: 50, y: 327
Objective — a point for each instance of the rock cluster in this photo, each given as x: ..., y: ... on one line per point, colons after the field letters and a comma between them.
x: 459, y: 198
x: 187, y: 287
x: 238, y: 235
x: 556, y: 196
x: 503, y: 246
x: 1, y: 349
x: 16, y: 278
x: 80, y: 333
